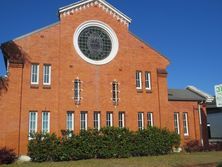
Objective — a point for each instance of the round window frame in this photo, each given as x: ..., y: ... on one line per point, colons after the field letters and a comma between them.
x: 110, y: 32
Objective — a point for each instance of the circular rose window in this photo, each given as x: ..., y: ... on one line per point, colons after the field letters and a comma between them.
x: 96, y: 42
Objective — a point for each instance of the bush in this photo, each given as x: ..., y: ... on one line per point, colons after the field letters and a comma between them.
x: 43, y: 147
x: 154, y: 141
x: 219, y: 165
x: 107, y: 143
x: 7, y: 156
x: 193, y: 146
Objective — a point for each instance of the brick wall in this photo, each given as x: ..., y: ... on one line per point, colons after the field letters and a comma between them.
x: 54, y: 46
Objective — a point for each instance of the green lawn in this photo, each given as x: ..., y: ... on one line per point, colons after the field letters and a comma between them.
x: 177, y: 159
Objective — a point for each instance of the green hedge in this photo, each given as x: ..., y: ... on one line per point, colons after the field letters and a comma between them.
x: 106, y: 143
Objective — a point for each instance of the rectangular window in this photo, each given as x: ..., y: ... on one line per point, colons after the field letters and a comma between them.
x: 138, y: 80
x: 176, y: 123
x: 140, y: 121
x: 33, y: 122
x: 83, y: 121
x: 96, y: 120
x: 185, y: 124
x: 115, y: 92
x: 77, y: 89
x: 150, y: 119
x: 148, y: 80
x: 46, y: 74
x: 121, y: 119
x: 34, y: 74
x: 109, y: 119
x: 45, y: 122
x: 70, y: 121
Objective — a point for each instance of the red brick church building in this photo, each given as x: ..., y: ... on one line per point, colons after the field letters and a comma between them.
x: 89, y: 71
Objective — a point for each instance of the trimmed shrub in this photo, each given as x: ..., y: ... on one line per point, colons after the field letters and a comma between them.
x: 107, y: 143
x: 154, y: 141
x: 219, y: 165
x: 7, y: 156
x: 43, y: 147
x: 193, y: 146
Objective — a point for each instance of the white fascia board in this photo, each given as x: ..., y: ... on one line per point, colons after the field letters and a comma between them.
x: 77, y: 4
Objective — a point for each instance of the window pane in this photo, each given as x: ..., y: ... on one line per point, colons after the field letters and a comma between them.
x: 109, y: 119
x: 45, y: 122
x: 138, y: 80
x: 121, y: 119
x: 140, y: 121
x: 47, y: 74
x: 83, y: 121
x: 77, y: 90
x: 147, y: 80
x: 32, y: 122
x: 34, y: 73
x: 70, y: 123
x: 176, y: 123
x: 185, y: 123
x: 150, y: 119
x: 97, y: 120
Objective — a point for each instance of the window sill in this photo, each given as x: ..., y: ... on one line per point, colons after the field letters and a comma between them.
x: 186, y: 135
x: 46, y: 86
x: 148, y: 91
x: 139, y: 90
x: 34, y: 86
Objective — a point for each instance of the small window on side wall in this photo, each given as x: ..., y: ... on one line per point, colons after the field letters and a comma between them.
x: 140, y: 120
x: 148, y: 80
x: 70, y: 121
x: 121, y: 119
x: 77, y: 91
x: 33, y: 122
x: 34, y: 74
x: 176, y: 123
x: 150, y: 119
x: 138, y: 80
x: 115, y: 92
x: 45, y: 122
x: 185, y: 124
x: 83, y: 120
x: 46, y: 74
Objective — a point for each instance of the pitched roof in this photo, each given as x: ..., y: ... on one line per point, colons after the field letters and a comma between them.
x: 183, y: 95
x: 83, y: 4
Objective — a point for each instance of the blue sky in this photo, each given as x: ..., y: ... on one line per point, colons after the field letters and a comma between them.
x: 188, y: 32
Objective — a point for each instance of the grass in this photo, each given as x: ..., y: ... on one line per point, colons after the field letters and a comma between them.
x: 172, y: 160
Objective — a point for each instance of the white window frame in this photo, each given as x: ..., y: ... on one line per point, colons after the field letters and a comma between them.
x: 85, y: 121
x: 48, y: 75
x: 185, y: 124
x: 115, y: 92
x: 37, y: 73
x: 139, y: 80
x: 48, y: 122
x: 36, y: 121
x: 68, y: 120
x: 121, y: 119
x: 97, y: 122
x: 109, y: 119
x: 141, y: 114
x: 176, y: 122
x: 148, y: 80
x: 77, y: 90
x: 149, y: 119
